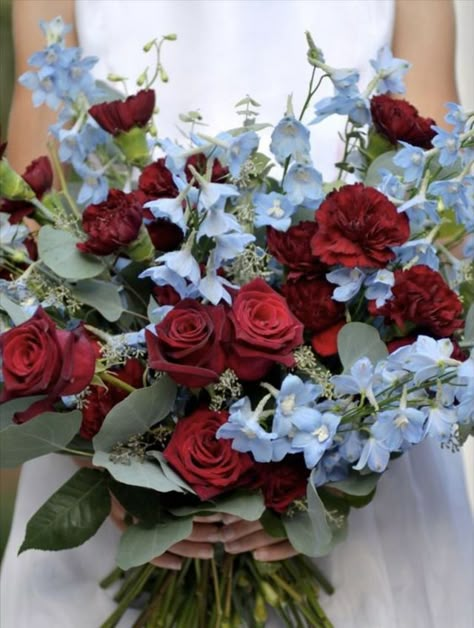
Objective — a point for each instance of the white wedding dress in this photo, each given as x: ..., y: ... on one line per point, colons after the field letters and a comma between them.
x: 408, y: 559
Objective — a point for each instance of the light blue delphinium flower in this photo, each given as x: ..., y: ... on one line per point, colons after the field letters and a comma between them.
x: 375, y: 455
x: 390, y: 70
x: 391, y: 185
x: 240, y: 149
x: 360, y: 382
x: 421, y: 213
x: 357, y: 108
x: 94, y: 187
x: 164, y: 276
x: 303, y: 185
x: 395, y: 427
x: 314, y: 434
x: 351, y: 447
x: 218, y: 222
x: 229, y: 245
x: 448, y: 143
x: 464, y: 391
x: 425, y: 357
x: 273, y: 210
x: 417, y: 251
x: 212, y: 193
x: 183, y: 264
x: 456, y: 116
x: 451, y: 192
x: 294, y: 399
x: 331, y: 468
x: 169, y: 208
x: 176, y: 156
x: 43, y: 86
x: 213, y: 288
x: 468, y: 250
x: 55, y: 30
x: 290, y: 138
x: 345, y: 80
x: 379, y: 286
x: 244, y: 428
x: 441, y: 421
x: 412, y: 160
x: 349, y: 281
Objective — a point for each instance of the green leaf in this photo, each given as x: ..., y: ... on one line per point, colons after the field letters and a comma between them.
x: 10, y: 408
x: 14, y: 311
x: 152, y: 306
x: 140, y: 544
x: 136, y: 414
x: 45, y: 433
x: 309, y: 532
x: 358, y: 340
x: 272, y: 524
x: 101, y: 295
x: 71, y: 515
x: 135, y: 472
x: 172, y: 476
x: 57, y: 249
x: 359, y: 485
x: 142, y: 503
x: 243, y: 504
x: 385, y: 160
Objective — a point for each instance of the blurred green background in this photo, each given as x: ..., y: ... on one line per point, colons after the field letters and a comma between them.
x: 7, y: 478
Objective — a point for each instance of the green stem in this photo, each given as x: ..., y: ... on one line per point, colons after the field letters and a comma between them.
x: 131, y: 594
x: 44, y: 211
x: 112, y: 577
x: 77, y: 452
x: 62, y: 180
x: 215, y: 582
x: 115, y: 381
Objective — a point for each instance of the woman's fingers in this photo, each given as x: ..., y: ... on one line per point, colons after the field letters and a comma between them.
x: 234, y: 531
x: 217, y: 518
x: 168, y: 561
x: 205, y: 532
x: 251, y: 542
x: 190, y: 549
x: 279, y: 551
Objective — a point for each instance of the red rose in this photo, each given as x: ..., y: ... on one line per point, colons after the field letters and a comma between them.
x: 397, y: 119
x: 311, y: 302
x: 119, y: 117
x: 292, y: 248
x: 113, y: 224
x: 210, y: 466
x: 358, y: 226
x: 156, y: 181
x: 166, y: 295
x: 101, y: 400
x: 40, y: 359
x: 189, y: 343
x: 324, y: 342
x: 421, y: 297
x: 282, y: 482
x: 39, y: 176
x: 264, y: 329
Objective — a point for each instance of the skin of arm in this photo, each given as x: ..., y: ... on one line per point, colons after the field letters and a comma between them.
x: 424, y: 34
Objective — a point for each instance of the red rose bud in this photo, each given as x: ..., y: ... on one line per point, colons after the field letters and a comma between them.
x: 292, y: 248
x: 111, y: 225
x: 189, y: 343
x: 324, y: 342
x: 358, y: 226
x: 283, y: 482
x: 209, y: 465
x: 421, y: 297
x: 38, y: 178
x: 120, y: 116
x: 264, y: 331
x: 156, y: 181
x: 101, y: 400
x: 40, y: 359
x: 397, y: 120
x: 311, y: 302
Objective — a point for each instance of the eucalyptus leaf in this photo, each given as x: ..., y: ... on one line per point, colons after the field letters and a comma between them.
x: 356, y: 484
x: 153, y: 317
x: 14, y: 311
x: 136, y: 414
x: 172, y: 476
x: 57, y: 249
x: 358, y: 340
x: 45, y: 433
x: 385, y: 161
x: 10, y: 408
x: 135, y: 472
x: 140, y: 544
x: 272, y: 524
x: 243, y: 504
x: 101, y: 295
x: 309, y: 532
x: 71, y: 515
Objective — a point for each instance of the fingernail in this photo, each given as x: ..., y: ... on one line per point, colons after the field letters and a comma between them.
x: 207, y: 554
x: 231, y: 547
x: 259, y: 555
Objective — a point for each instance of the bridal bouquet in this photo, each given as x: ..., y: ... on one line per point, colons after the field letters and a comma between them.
x: 217, y: 330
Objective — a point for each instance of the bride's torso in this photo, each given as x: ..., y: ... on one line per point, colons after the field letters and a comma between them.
x: 229, y: 48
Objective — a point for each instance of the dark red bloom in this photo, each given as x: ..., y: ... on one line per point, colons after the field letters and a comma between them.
x: 311, y: 302
x: 39, y: 358
x: 264, y: 331
x: 113, y: 224
x: 166, y: 295
x: 397, y: 119
x: 199, y: 162
x: 101, y: 400
x: 358, y: 226
x: 156, y: 181
x: 209, y: 465
x: 282, y: 482
x: 39, y: 176
x: 421, y: 297
x: 292, y: 248
x: 165, y: 235
x: 324, y: 342
x: 189, y: 343
x: 120, y: 116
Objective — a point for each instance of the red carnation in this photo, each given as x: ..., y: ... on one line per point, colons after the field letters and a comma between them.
x: 40, y: 359
x: 189, y: 343
x: 311, y: 302
x: 156, y: 181
x: 282, y: 482
x: 421, y: 297
x: 324, y: 342
x: 209, y: 465
x: 113, y: 224
x: 39, y: 176
x: 199, y: 162
x: 120, y: 116
x: 398, y: 120
x: 101, y: 400
x: 292, y: 248
x: 358, y: 226
x: 264, y: 331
